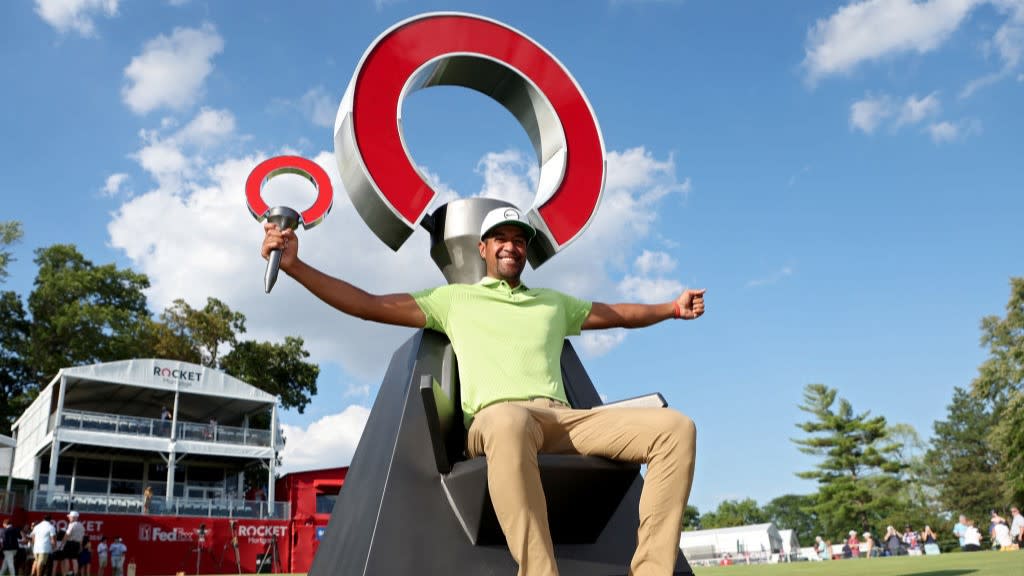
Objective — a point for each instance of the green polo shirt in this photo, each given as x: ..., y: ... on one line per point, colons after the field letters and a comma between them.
x: 508, y: 340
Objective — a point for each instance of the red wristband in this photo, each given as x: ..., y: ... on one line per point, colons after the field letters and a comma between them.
x: 676, y: 311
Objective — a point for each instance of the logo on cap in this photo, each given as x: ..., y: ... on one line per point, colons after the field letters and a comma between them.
x: 511, y: 214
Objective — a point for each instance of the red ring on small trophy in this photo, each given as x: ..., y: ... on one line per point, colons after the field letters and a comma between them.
x: 278, y: 165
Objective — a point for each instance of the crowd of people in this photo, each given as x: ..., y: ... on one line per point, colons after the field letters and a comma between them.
x: 43, y: 549
x: 1002, y: 534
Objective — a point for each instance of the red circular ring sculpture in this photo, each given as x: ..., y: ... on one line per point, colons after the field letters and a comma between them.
x: 278, y: 165
x: 475, y: 52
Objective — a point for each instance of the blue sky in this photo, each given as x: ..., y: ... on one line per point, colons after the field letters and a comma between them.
x: 844, y: 179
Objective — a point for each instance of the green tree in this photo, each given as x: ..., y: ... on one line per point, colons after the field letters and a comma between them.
x: 279, y: 369
x: 10, y: 232
x: 83, y: 313
x: 858, y: 475
x: 795, y: 512
x: 691, y: 519
x: 14, y: 372
x: 15, y: 375
x: 197, y: 335
x: 1000, y: 383
x: 962, y: 467
x: 734, y: 513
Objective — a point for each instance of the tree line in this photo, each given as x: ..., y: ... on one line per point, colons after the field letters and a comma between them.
x: 79, y: 313
x: 871, y: 474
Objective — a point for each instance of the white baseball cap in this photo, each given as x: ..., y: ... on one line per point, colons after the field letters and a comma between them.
x: 73, y: 514
x: 503, y: 216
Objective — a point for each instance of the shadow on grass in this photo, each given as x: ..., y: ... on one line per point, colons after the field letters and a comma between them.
x: 956, y: 572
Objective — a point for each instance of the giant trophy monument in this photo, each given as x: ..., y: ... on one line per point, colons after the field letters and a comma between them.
x: 412, y: 502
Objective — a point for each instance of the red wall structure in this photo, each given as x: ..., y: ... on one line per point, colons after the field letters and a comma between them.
x: 160, y: 545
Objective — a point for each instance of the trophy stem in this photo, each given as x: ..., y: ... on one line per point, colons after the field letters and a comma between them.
x: 285, y: 218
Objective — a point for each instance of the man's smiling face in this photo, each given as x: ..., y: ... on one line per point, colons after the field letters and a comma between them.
x: 504, y: 251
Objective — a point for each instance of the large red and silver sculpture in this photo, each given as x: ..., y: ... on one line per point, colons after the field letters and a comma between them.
x: 412, y: 502
x: 487, y: 56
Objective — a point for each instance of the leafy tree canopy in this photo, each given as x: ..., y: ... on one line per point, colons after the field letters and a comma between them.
x: 1000, y: 383
x: 734, y: 513
x: 83, y: 313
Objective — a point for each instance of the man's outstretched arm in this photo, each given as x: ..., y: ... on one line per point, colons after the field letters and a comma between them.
x: 398, y: 309
x: 688, y: 306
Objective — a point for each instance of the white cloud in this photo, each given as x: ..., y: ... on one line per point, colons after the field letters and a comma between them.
x: 510, y: 176
x: 326, y: 443
x: 112, y: 187
x: 915, y: 110
x: 654, y: 263
x: 872, y: 29
x: 772, y: 278
x: 870, y: 113
x: 649, y: 290
x: 943, y: 132
x: 209, y: 128
x: 867, y: 114
x: 596, y: 344
x: 319, y: 106
x: 172, y: 159
x: 77, y: 15
x: 171, y: 70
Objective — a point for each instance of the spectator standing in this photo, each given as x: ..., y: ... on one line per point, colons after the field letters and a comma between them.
x: 72, y: 544
x: 12, y: 534
x: 911, y: 540
x: 102, y: 556
x: 117, y: 553
x: 972, y: 537
x: 931, y: 544
x: 854, y: 544
x: 1001, y: 535
x: 893, y: 543
x: 994, y: 521
x: 959, y: 529
x: 822, y: 548
x: 869, y: 545
x: 85, y: 558
x: 44, y: 541
x: 24, y: 557
x: 165, y: 421
x: 1017, y: 527
x: 147, y: 499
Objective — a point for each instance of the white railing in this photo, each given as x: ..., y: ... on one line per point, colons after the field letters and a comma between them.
x: 156, y: 428
x: 158, y: 505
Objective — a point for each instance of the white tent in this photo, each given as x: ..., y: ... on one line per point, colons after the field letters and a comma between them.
x: 116, y: 408
x: 6, y: 455
x: 790, y: 543
x: 758, y: 541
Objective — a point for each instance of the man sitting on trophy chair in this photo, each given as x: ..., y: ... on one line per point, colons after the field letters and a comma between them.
x: 508, y: 339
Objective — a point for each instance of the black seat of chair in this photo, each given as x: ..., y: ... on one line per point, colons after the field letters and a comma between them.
x: 582, y: 492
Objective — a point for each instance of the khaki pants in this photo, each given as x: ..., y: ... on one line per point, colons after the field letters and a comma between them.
x: 510, y: 434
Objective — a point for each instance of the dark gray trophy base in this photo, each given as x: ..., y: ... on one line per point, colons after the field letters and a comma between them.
x: 413, y: 504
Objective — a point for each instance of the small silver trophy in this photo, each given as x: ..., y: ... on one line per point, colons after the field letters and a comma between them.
x: 283, y: 216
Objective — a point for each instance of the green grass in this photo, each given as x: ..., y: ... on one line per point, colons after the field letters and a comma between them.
x: 953, y: 564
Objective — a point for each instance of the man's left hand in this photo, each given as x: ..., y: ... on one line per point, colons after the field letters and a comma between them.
x: 690, y: 304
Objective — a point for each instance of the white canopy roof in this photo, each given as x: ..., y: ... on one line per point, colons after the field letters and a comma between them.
x: 142, y: 386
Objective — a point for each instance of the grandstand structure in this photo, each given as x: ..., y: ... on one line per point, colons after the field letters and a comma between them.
x: 98, y: 436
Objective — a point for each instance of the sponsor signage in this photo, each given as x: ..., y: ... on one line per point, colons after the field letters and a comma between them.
x: 177, y: 375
